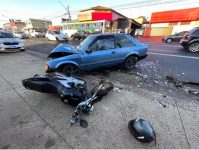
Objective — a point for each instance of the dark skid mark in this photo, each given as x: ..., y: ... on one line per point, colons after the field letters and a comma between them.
x: 49, y: 143
x: 83, y: 123
x: 5, y: 147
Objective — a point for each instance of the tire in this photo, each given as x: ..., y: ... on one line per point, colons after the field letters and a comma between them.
x: 57, y: 39
x: 130, y: 62
x: 169, y: 40
x: 22, y: 50
x: 194, y: 47
x: 70, y: 70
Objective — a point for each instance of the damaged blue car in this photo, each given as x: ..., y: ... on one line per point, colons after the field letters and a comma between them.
x: 97, y: 51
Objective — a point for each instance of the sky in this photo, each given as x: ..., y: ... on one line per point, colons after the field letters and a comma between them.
x: 52, y: 9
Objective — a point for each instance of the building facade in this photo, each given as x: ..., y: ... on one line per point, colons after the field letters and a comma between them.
x: 170, y: 22
x: 100, y: 20
x: 37, y: 24
x: 117, y: 21
x: 14, y: 26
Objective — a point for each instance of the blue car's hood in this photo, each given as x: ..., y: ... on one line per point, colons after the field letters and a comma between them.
x: 63, y: 50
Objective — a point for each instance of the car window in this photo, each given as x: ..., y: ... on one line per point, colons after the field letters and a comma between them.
x: 180, y: 34
x: 6, y: 35
x: 193, y: 31
x: 56, y: 32
x: 196, y: 32
x: 122, y: 41
x: 85, y: 43
x: 103, y: 44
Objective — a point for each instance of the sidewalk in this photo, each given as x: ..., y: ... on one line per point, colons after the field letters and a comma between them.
x: 31, y: 119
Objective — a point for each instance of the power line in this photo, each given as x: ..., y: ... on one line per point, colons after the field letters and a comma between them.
x: 152, y: 4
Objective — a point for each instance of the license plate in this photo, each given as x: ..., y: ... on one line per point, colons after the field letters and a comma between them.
x: 12, y: 47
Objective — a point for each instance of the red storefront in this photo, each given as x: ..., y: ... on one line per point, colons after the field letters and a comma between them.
x: 181, y: 15
x: 169, y: 22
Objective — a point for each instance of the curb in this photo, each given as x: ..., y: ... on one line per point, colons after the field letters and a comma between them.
x: 37, y: 54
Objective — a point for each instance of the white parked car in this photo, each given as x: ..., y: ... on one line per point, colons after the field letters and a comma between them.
x: 56, y: 36
x: 9, y: 43
x: 21, y: 35
x: 37, y: 34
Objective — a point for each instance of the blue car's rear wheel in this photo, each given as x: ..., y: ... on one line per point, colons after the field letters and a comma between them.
x: 130, y: 62
x: 70, y: 70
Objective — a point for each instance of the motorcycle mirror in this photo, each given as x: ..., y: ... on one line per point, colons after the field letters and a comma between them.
x: 88, y: 51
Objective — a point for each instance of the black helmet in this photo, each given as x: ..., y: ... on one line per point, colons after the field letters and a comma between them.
x: 142, y: 130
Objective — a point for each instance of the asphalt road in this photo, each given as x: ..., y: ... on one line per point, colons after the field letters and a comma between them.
x: 171, y: 59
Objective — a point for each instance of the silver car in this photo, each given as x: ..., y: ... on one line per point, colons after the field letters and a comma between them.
x: 9, y: 43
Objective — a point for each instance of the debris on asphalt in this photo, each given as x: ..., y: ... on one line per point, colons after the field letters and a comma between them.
x: 179, y: 83
x: 191, y: 91
x: 116, y: 89
x: 163, y: 95
x: 162, y: 103
x: 176, y: 82
x: 148, y: 71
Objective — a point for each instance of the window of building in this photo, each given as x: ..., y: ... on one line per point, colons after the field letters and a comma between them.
x: 173, y: 23
x: 185, y: 23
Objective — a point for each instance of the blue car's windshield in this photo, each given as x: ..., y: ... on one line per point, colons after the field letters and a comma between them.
x: 85, y: 43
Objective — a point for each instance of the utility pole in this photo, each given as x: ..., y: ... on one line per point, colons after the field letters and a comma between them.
x: 69, y: 16
x: 67, y: 10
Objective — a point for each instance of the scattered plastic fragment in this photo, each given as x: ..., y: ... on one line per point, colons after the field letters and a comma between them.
x: 191, y: 91
x: 162, y: 103
x: 116, y: 89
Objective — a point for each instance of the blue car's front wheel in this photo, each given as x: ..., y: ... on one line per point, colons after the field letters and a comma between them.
x: 70, y: 70
x: 130, y: 62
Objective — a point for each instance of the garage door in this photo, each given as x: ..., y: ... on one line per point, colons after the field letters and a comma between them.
x: 161, y: 31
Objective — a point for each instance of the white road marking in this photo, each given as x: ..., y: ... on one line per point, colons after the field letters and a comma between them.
x: 178, y: 46
x: 160, y: 50
x: 179, y: 56
x: 162, y: 44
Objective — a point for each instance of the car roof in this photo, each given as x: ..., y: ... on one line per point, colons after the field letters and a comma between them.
x: 4, y: 31
x: 193, y: 30
x: 107, y: 34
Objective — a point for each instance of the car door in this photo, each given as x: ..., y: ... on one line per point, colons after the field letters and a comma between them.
x: 124, y: 46
x: 49, y: 35
x: 178, y: 36
x: 101, y: 55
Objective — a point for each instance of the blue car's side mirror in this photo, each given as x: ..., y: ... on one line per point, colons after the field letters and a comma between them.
x: 88, y: 51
